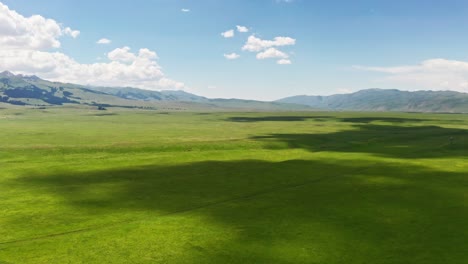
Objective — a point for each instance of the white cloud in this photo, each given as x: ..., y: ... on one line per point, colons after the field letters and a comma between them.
x: 122, y: 55
x: 242, y: 29
x: 255, y: 44
x: 148, y: 54
x: 272, y: 53
x: 267, y: 48
x: 104, y: 41
x: 71, y: 32
x: 231, y: 56
x: 125, y: 69
x: 434, y: 74
x: 35, y: 32
x: 185, y: 10
x: 284, y: 62
x: 25, y: 45
x: 228, y: 34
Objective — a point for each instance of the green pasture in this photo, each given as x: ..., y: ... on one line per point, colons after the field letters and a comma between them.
x: 142, y: 186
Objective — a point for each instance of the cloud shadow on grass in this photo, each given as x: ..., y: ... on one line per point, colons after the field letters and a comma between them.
x: 295, y: 118
x: 283, y: 118
x: 382, y: 140
x: 297, y: 211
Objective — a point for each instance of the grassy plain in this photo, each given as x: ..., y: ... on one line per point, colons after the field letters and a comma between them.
x: 120, y: 186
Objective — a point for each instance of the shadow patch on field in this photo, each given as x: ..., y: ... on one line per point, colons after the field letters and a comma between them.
x: 382, y: 119
x: 383, y: 140
x: 364, y: 120
x: 104, y: 114
x: 274, y: 118
x: 333, y: 211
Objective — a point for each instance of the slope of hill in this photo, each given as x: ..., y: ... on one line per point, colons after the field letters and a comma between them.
x: 148, y: 95
x: 31, y: 90
x: 387, y: 100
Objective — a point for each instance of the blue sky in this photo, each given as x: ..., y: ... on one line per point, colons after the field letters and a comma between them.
x: 340, y: 46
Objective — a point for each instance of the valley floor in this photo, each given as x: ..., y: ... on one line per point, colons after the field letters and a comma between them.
x: 128, y: 186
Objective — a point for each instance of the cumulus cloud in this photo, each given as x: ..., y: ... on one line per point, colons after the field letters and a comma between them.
x: 266, y: 49
x: 185, y: 10
x: 122, y: 55
x: 255, y: 44
x: 125, y: 69
x: 228, y: 34
x: 231, y: 56
x: 104, y: 41
x: 35, y: 32
x: 434, y: 74
x: 71, y: 32
x: 27, y: 43
x: 242, y: 29
x: 284, y: 62
x: 271, y: 53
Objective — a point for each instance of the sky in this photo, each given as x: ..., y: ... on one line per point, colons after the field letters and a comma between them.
x: 262, y: 49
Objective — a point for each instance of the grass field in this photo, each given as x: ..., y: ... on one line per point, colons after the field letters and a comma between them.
x: 83, y: 186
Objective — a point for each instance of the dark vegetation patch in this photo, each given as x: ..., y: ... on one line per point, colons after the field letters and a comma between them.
x: 6, y: 99
x: 34, y: 92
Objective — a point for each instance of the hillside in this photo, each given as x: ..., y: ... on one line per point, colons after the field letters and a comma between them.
x: 24, y: 90
x: 148, y: 95
x: 387, y: 100
x: 33, y: 91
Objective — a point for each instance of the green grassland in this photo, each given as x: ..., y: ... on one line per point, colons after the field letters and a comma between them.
x: 142, y: 186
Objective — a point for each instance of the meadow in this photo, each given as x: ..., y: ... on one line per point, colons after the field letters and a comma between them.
x: 142, y: 186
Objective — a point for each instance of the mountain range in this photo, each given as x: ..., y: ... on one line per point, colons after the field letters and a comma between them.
x: 387, y: 100
x: 33, y: 91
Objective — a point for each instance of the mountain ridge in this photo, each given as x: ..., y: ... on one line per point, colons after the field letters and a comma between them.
x: 376, y: 99
x: 31, y: 90
x: 27, y: 90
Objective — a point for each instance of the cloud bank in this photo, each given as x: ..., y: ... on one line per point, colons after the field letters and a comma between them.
x: 434, y: 74
x: 29, y: 45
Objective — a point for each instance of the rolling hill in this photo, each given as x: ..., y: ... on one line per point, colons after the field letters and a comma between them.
x: 33, y: 91
x: 386, y: 100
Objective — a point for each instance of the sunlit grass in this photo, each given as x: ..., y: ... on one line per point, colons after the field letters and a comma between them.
x: 77, y: 186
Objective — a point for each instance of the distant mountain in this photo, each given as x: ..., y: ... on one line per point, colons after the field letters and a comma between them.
x: 34, y: 91
x: 148, y: 95
x: 386, y: 100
